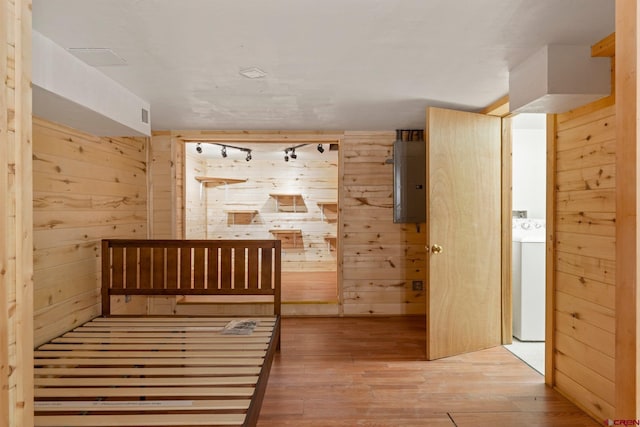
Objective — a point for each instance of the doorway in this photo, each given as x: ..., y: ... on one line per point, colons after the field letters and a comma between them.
x: 285, y: 191
x: 528, y: 238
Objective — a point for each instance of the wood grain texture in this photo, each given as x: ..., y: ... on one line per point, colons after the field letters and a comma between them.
x: 16, y: 227
x: 380, y: 259
x: 583, y: 287
x: 364, y: 197
x: 550, y: 257
x: 506, y: 206
x: 143, y: 267
x: 223, y: 385
x: 85, y: 188
x: 374, y: 374
x: 627, y: 42
x: 465, y: 218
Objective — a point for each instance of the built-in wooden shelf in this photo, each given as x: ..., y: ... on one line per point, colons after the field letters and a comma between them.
x: 329, y: 207
x: 240, y: 216
x: 331, y: 242
x: 288, y: 202
x: 290, y: 237
x: 218, y: 181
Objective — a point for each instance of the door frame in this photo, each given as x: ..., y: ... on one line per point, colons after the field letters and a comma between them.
x: 501, y: 108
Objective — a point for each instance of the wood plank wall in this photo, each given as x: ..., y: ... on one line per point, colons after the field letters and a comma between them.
x: 584, y: 333
x: 196, y: 198
x: 162, y: 172
x: 380, y: 259
x: 86, y: 188
x: 16, y: 234
x: 377, y: 259
x: 315, y: 179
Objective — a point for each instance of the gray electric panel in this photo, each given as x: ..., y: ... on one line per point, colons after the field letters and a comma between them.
x: 409, y: 178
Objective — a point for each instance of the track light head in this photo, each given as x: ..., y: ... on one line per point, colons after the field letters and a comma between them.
x: 293, y: 154
x: 320, y: 148
x: 248, y: 156
x: 199, y: 148
x: 286, y: 158
x: 223, y: 151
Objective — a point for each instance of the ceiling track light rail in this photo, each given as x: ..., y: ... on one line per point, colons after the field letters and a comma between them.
x: 223, y: 149
x: 290, y: 152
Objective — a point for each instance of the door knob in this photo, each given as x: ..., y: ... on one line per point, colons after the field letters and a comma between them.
x: 436, y: 249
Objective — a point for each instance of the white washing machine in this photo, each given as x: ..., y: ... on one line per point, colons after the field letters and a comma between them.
x: 528, y: 271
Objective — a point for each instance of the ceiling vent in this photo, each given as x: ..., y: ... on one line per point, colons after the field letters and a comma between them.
x: 253, y: 73
x: 558, y: 78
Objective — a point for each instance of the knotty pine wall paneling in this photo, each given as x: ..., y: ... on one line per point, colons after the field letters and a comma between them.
x: 380, y: 259
x: 161, y: 177
x: 196, y: 197
x: 86, y: 188
x: 584, y: 232
x: 16, y: 232
x: 377, y: 259
x: 314, y: 179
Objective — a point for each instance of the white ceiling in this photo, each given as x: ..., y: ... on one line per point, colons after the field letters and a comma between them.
x: 330, y: 64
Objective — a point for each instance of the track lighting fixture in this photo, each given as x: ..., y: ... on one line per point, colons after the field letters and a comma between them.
x: 199, y: 148
x: 290, y: 152
x: 248, y: 156
x: 320, y: 148
x: 223, y: 151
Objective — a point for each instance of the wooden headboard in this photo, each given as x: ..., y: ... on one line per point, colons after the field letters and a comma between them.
x: 190, y: 267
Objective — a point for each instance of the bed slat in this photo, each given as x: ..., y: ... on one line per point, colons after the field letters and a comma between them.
x: 148, y: 338
x: 86, y: 392
x: 142, y: 405
x: 144, y: 382
x: 128, y: 361
x: 152, y: 354
x: 150, y: 346
x: 141, y: 420
x: 128, y: 371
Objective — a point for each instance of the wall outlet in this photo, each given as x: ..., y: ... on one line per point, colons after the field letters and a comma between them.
x: 417, y: 285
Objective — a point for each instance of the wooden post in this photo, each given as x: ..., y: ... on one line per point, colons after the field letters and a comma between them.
x: 16, y: 218
x: 550, y: 285
x: 626, y: 208
x: 5, y: 239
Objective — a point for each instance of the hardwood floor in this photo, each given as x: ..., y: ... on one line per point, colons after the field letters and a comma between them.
x: 371, y: 372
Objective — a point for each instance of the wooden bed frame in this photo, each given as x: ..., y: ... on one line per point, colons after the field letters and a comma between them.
x: 171, y: 370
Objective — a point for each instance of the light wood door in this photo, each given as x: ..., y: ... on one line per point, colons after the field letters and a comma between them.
x: 464, y: 226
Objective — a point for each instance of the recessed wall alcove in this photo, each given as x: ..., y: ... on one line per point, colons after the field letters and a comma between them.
x: 249, y: 191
